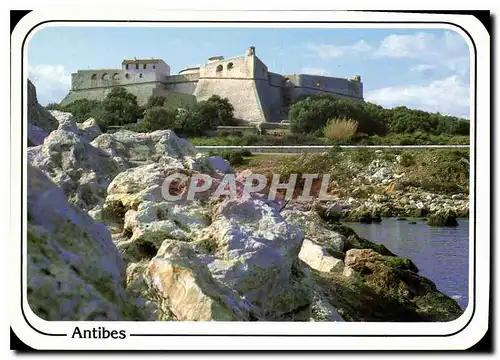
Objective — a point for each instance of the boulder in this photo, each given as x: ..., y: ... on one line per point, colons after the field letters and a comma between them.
x: 188, y: 289
x: 318, y: 259
x: 81, y: 170
x: 74, y: 270
x: 444, y: 217
x: 254, y: 251
x: 397, y: 292
x: 330, y: 212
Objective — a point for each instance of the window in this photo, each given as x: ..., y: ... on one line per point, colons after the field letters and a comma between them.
x: 318, y: 84
x: 140, y: 75
x: 137, y: 66
x: 219, y: 68
x: 126, y: 66
x: 127, y: 76
x: 154, y: 67
x: 230, y: 66
x: 144, y: 66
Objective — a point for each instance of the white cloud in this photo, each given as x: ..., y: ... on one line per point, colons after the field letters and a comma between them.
x: 51, y: 82
x: 314, y: 71
x: 448, y: 96
x: 327, y: 51
x: 449, y: 49
x: 422, y: 68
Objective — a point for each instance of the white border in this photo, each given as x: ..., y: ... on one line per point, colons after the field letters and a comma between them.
x: 467, y: 337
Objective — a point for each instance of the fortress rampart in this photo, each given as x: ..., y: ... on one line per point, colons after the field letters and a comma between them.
x: 256, y: 94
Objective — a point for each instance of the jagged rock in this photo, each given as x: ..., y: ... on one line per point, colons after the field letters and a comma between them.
x: 189, y: 291
x: 315, y: 230
x: 161, y: 146
x: 90, y: 128
x: 153, y: 222
x: 74, y: 270
x: 81, y: 170
x: 254, y: 252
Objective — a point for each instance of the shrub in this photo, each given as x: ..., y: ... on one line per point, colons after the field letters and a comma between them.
x: 310, y: 114
x: 340, y: 129
x: 407, y: 159
x: 362, y: 156
x: 402, y: 120
x: 236, y: 158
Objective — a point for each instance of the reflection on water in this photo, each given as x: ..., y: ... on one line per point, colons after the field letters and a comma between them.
x: 441, y: 254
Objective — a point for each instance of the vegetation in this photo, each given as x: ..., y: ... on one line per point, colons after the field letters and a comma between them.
x: 308, y: 115
x: 308, y: 139
x: 120, y: 108
x: 340, y: 129
x: 402, y: 120
x: 351, y: 122
x: 435, y: 170
x: 157, y: 118
x: 235, y: 158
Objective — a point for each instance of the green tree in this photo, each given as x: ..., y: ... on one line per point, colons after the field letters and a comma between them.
x: 120, y: 107
x: 220, y: 109
x: 155, y: 101
x: 159, y: 118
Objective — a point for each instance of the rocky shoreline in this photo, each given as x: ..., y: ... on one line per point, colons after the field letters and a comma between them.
x: 104, y: 244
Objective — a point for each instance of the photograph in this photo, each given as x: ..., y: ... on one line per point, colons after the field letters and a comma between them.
x: 240, y: 178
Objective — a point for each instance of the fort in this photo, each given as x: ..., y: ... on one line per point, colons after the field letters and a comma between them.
x: 257, y: 94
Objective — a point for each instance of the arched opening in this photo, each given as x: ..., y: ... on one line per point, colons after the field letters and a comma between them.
x: 230, y: 66
x: 127, y: 76
x: 105, y: 76
x: 219, y: 68
x: 93, y: 80
x: 318, y: 84
x: 116, y: 76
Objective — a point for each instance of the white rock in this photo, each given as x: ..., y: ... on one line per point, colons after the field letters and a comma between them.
x: 317, y: 258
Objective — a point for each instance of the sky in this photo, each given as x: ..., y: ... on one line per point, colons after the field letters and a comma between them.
x: 418, y: 68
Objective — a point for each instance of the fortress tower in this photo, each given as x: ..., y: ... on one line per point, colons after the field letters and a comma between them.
x: 257, y: 94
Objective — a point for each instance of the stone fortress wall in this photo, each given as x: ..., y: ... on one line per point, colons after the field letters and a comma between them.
x: 256, y: 94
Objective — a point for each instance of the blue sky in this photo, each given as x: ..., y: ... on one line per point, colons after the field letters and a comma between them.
x: 424, y: 69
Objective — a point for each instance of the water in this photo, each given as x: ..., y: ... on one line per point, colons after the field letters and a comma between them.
x: 440, y: 253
